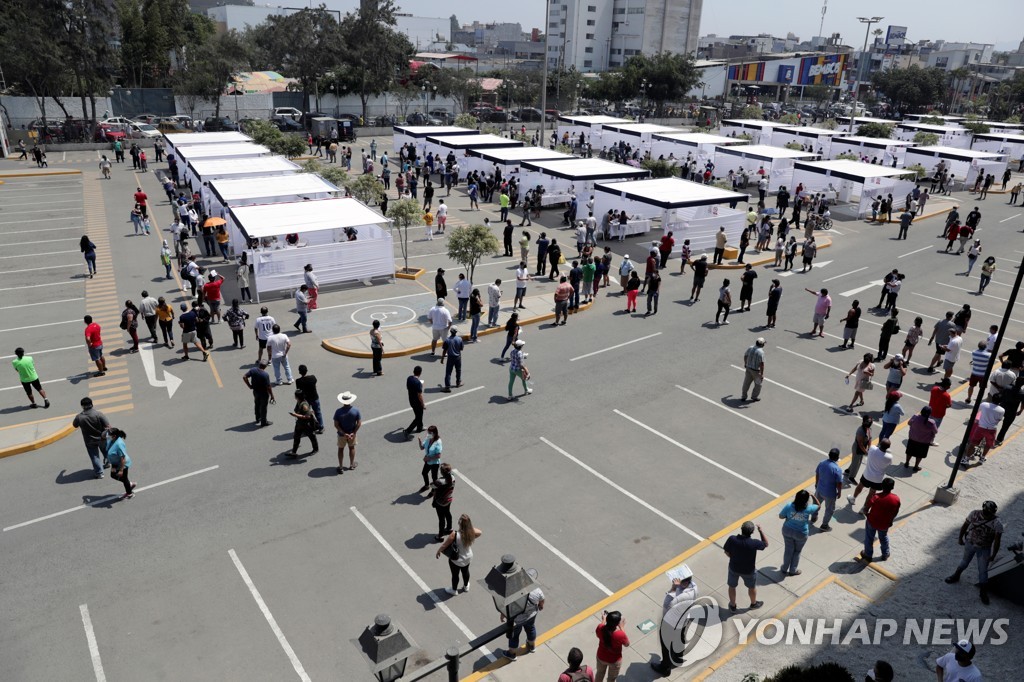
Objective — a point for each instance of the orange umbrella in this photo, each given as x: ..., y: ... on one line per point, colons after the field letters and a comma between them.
x: 214, y: 222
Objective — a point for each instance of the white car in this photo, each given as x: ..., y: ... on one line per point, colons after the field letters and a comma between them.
x: 118, y: 123
x: 287, y: 112
x: 144, y: 130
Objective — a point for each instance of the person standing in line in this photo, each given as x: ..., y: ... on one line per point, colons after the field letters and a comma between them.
x: 377, y: 348
x: 951, y: 351
x: 476, y: 308
x: 850, y: 325
x: 554, y: 258
x: 611, y: 638
x: 979, y: 365
x: 828, y: 485
x: 921, y: 435
x: 562, y: 296
x: 747, y: 287
x: 278, y: 345
x: 878, y: 461
x: 653, y: 293
x: 589, y: 278
x: 440, y: 321
x: 441, y: 493
x: 632, y: 289
x: 678, y: 600
x: 462, y: 288
x: 665, y: 248
x: 235, y: 318
x: 120, y: 462
x: 453, y: 347
x: 508, y: 231
x: 892, y: 414
x: 312, y: 285
x: 89, y: 253
x: 257, y: 380
x: 347, y: 420
x: 742, y: 551
x: 897, y: 370
x: 524, y: 248
x: 203, y: 327
x: 790, y: 252
x: 542, y: 254
x: 980, y: 536
x: 302, y: 309
x: 940, y: 335
x: 958, y: 665
x: 525, y: 620
x: 165, y: 259
x: 440, y: 287
x: 25, y: 366
x: 822, y: 308
x: 862, y: 374
x: 575, y: 279
x: 861, y: 445
x: 264, y: 327
x: 905, y: 219
x: 880, y: 509
x: 700, y: 273
x: 494, y: 298
x: 188, y: 321
x: 809, y: 251
x: 913, y: 336
x: 517, y: 368
x: 165, y: 316
x: 797, y: 516
x: 93, y: 425
x: 720, y: 242
x: 431, y: 448
x: 774, y: 297
x: 461, y: 555
x: 305, y: 424
x: 578, y: 671
x: 147, y: 306
x: 890, y: 328
x: 414, y: 387
x: 753, y: 363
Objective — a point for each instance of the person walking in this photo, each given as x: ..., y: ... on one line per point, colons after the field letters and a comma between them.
x: 517, y: 368
x: 980, y: 536
x: 347, y: 420
x: 906, y: 218
x: 797, y: 516
x: 892, y: 414
x: 742, y: 551
x: 302, y: 309
x: 747, y: 287
x: 165, y: 259
x: 278, y: 346
x: 93, y: 425
x: 441, y: 493
x: 828, y: 485
x: 850, y: 325
x: 511, y: 333
x: 453, y: 347
x: 130, y: 323
x: 897, y: 370
x: 440, y: 287
x: 880, y: 509
x: 94, y: 344
x: 377, y: 348
x: 790, y: 253
x: 165, y: 318
x: 526, y: 621
x: 305, y: 424
x: 611, y: 638
x: 25, y: 366
x: 414, y: 387
x: 257, y: 380
x: 88, y: 250
x: 951, y: 351
x: 988, y: 268
x: 653, y: 293
x: 147, y: 308
x: 724, y: 303
x: 674, y: 620
x: 700, y: 273
x: 913, y: 336
x: 458, y: 548
x: 431, y: 447
x: 878, y: 461
x: 235, y: 318
x: 973, y: 252
x: 120, y: 462
x: 822, y: 308
x: 753, y: 364
x: 188, y: 321
x: 861, y: 445
x: 554, y: 258
x: 632, y: 290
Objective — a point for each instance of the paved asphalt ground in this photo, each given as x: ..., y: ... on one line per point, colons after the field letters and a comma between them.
x: 235, y: 563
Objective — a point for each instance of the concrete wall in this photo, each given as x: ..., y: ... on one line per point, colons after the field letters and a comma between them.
x: 20, y: 111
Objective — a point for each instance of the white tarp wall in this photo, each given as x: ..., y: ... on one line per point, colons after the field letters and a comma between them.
x: 880, y: 187
x: 404, y: 134
x: 529, y: 179
x: 822, y: 141
x: 1010, y: 144
x: 780, y: 171
x: 949, y: 136
x: 590, y: 126
x: 964, y: 167
x: 853, y: 191
x: 638, y: 136
x: 760, y: 131
x: 700, y: 224
x: 885, y: 154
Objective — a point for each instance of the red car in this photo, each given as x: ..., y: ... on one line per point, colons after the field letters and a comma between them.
x: 107, y: 133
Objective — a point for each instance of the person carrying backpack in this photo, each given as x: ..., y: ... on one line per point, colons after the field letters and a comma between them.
x: 578, y: 671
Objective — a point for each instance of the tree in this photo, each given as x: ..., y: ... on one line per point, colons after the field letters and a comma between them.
x: 155, y: 37
x: 268, y: 135
x: 881, y: 130
x: 87, y: 43
x: 818, y: 93
x: 669, y: 77
x: 660, y: 168
x: 335, y: 175
x: 404, y: 213
x: 467, y: 121
x: 467, y: 245
x: 912, y: 88
x: 212, y: 65
x: 374, y: 53
x: 367, y: 188
x: 39, y: 72
x: 456, y: 85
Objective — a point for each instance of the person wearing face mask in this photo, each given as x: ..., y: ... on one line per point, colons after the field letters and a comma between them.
x: 119, y: 460
x: 431, y: 447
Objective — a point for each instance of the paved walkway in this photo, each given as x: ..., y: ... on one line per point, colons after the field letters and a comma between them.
x: 828, y: 558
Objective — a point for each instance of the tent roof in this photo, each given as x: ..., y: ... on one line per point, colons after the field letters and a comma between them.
x: 586, y: 169
x: 270, y: 186
x: 256, y: 165
x: 222, y: 151
x: 183, y: 139
x: 268, y: 220
x: 589, y: 121
x: 468, y: 141
x: 954, y: 152
x: 513, y: 155
x: 754, y: 123
x: 931, y: 128
x: 423, y: 131
x: 850, y: 170
x: 1002, y: 137
x: 874, y: 141
x: 697, y: 138
x: 671, y: 192
x: 811, y: 131
x: 639, y: 129
x: 1003, y: 124
x: 845, y: 120
x: 764, y: 151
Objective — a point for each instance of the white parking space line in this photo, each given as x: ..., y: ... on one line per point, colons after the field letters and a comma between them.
x: 32, y: 255
x: 38, y: 220
x: 973, y: 309
x: 1008, y: 260
x: 49, y: 284
x: 34, y: 326
x: 432, y: 402
x: 749, y: 419
x: 622, y: 490
x: 48, y: 267
x: 845, y: 274
x: 379, y: 300
x: 43, y: 383
x: 535, y: 535
x: 94, y: 648
x: 863, y: 345
x: 975, y: 292
x: 616, y: 346
x: 41, y: 241
x: 1006, y: 220
x: 49, y: 202
x: 695, y: 453
x: 843, y: 371
x: 913, y: 252
x: 282, y: 640
x: 33, y: 305
x: 37, y: 187
x: 49, y: 350
x: 109, y: 498
x: 45, y: 210
x: 792, y: 390
x: 45, y: 229
x: 428, y: 255
x: 420, y: 583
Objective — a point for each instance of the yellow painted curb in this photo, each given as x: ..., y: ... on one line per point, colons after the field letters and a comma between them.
x: 30, y: 174
x: 39, y: 443
x: 410, y: 275
x: 755, y: 263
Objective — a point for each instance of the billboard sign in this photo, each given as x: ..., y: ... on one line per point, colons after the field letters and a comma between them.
x: 896, y: 35
x: 786, y: 72
x: 822, y: 70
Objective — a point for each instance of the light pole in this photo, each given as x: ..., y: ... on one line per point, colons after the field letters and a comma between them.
x: 386, y: 648
x: 643, y: 98
x: 544, y: 75
x: 860, y: 66
x: 427, y: 89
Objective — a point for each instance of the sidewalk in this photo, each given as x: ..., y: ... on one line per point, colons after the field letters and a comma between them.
x: 828, y: 561
x: 416, y: 337
x: 19, y: 438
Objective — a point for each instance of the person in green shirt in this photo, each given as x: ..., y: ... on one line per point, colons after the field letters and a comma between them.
x: 589, y: 269
x: 26, y: 369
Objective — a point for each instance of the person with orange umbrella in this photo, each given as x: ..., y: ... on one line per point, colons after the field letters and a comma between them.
x: 209, y: 240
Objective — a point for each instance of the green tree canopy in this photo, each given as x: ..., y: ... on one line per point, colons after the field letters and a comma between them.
x: 912, y: 88
x: 209, y: 69
x: 882, y: 130
x: 405, y: 213
x: 374, y: 54
x: 467, y: 245
x: 669, y: 78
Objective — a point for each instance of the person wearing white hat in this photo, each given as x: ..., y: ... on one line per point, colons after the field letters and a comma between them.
x: 624, y: 269
x: 674, y: 619
x: 440, y: 321
x: 517, y: 368
x: 958, y: 664
x: 347, y: 421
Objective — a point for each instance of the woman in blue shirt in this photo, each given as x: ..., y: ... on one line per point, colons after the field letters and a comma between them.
x: 798, y: 516
x: 119, y: 460
x: 892, y: 415
x: 431, y: 447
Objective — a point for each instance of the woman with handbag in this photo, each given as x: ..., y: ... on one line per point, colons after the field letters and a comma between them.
x: 431, y: 447
x: 458, y: 548
x: 442, y: 493
x: 861, y: 373
x: 119, y: 460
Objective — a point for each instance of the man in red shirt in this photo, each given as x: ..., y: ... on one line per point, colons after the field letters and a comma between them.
x: 651, y: 267
x: 667, y: 242
x: 140, y: 199
x: 881, y: 509
x: 940, y: 400
x: 562, y: 293
x: 94, y: 343
x: 211, y: 293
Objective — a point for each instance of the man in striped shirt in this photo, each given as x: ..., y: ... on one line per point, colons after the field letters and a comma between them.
x: 979, y: 364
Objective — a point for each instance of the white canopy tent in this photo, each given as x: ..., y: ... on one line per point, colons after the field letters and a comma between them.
x: 776, y: 161
x: 238, y: 150
x: 820, y: 139
x: 844, y: 122
x: 949, y: 135
x: 418, y: 135
x: 1010, y: 144
x: 947, y: 120
x: 461, y: 144
x: 700, y: 145
x: 203, y: 171
x: 175, y: 140
x: 689, y: 210
x: 323, y: 243
x: 634, y: 134
x: 588, y: 125
x: 965, y: 164
x: 226, y: 194
x: 563, y: 178
x: 853, y: 181
x: 997, y: 127
x: 509, y: 158
x: 885, y: 150
x: 760, y: 131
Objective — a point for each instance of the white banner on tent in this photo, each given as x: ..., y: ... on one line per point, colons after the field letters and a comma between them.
x: 880, y: 187
x: 282, y: 269
x: 700, y: 224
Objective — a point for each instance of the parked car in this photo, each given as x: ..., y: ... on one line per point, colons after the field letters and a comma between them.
x: 219, y: 125
x: 119, y: 122
x: 171, y: 126
x: 529, y: 114
x: 482, y: 113
x: 418, y: 118
x: 552, y: 114
x: 143, y: 130
x: 105, y: 133
x: 285, y: 124
x: 307, y: 118
x: 443, y: 115
x: 356, y: 119
x: 502, y: 116
x: 145, y: 118
x: 183, y: 119
x: 286, y: 112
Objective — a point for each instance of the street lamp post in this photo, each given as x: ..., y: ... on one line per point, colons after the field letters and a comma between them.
x: 386, y: 648
x: 643, y: 99
x: 427, y: 90
x: 860, y: 65
x: 544, y: 75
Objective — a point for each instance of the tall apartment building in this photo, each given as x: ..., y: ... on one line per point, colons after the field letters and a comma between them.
x: 595, y: 35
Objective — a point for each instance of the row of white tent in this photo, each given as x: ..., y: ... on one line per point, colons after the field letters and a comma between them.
x: 265, y: 198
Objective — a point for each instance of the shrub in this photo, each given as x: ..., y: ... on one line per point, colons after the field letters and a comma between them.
x: 330, y: 173
x: 659, y: 168
x: 466, y: 121
x: 745, y: 136
x: 919, y: 170
x: 829, y: 124
x: 977, y: 127
x: 751, y: 111
x: 790, y: 119
x: 879, y: 130
x: 833, y: 672
x: 849, y: 156
x: 1012, y: 119
x: 794, y: 145
x: 924, y: 139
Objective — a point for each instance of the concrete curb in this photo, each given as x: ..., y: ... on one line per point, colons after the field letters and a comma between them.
x: 328, y: 346
x: 895, y: 221
x: 824, y: 244
x: 42, y: 172
x: 64, y: 432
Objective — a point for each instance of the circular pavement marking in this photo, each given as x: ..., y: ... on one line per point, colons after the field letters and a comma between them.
x: 389, y: 315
